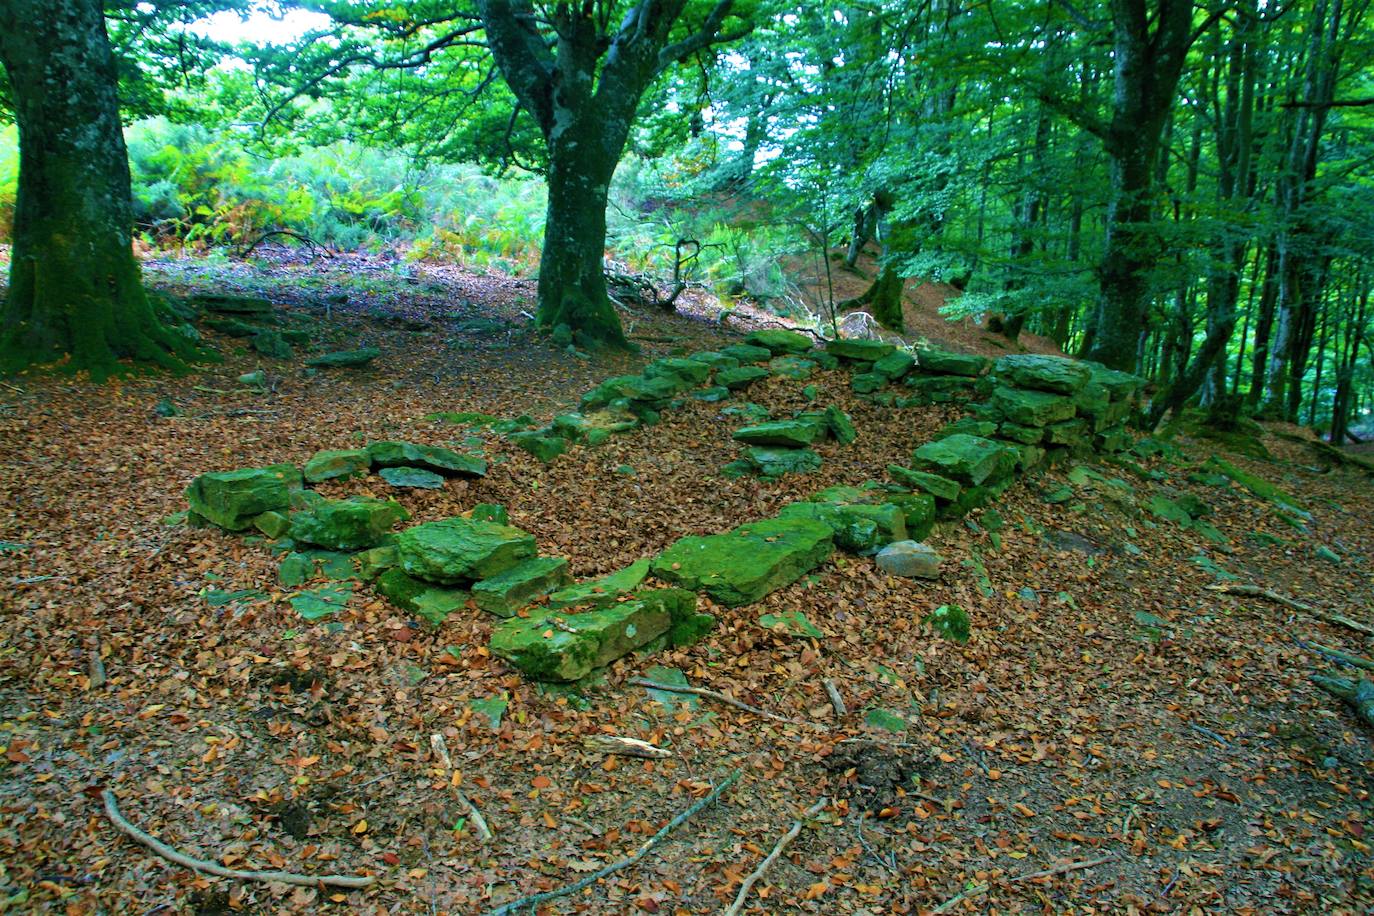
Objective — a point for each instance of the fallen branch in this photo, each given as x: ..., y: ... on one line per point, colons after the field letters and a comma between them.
x: 836, y: 701
x: 626, y: 747
x: 212, y: 868
x: 533, y: 901
x: 712, y: 695
x: 978, y: 889
x: 440, y: 748
x: 1357, y: 694
x: 289, y: 234
x: 778, y: 848
x: 1254, y: 591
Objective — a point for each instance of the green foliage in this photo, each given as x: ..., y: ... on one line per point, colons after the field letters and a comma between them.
x: 9, y: 178
x: 950, y: 621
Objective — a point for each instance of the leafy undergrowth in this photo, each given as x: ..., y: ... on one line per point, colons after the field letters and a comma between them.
x: 1106, y: 705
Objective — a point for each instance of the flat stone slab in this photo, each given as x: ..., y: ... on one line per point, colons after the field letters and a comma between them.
x: 231, y: 499
x: 1057, y: 374
x: 894, y: 365
x: 689, y: 371
x: 747, y: 353
x: 858, y: 527
x: 522, y: 584
x: 967, y: 459
x: 430, y: 602
x: 404, y: 478
x: 791, y: 433
x: 329, y: 464
x: 910, y: 559
x: 345, y: 359
x: 560, y: 646
x: 461, y: 549
x: 775, y: 461
x: 1032, y: 408
x: 940, y: 487
x: 743, y: 377
x: 743, y: 565
x: 941, y: 362
x: 858, y: 350
x: 429, y: 457
x: 778, y: 341
x: 346, y: 524
x: 604, y: 591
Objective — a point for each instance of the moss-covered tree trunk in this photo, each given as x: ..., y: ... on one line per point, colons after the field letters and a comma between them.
x: 75, y: 293
x: 572, y: 276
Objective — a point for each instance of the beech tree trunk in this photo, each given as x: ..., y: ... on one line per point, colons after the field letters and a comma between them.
x: 76, y: 294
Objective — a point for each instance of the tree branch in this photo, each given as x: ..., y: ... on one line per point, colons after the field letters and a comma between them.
x: 709, y: 34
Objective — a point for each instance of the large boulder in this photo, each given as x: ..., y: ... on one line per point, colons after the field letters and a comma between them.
x: 1032, y: 408
x: 688, y: 372
x: 343, y: 462
x: 558, y: 646
x: 797, y: 433
x: 520, y: 585
x: 231, y: 499
x: 346, y: 524
x: 910, y: 559
x: 742, y: 377
x: 778, y: 341
x: 968, y: 459
x: 461, y: 549
x: 428, y: 457
x: 743, y: 565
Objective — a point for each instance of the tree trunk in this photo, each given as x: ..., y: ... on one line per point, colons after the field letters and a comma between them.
x: 572, y: 274
x: 76, y: 294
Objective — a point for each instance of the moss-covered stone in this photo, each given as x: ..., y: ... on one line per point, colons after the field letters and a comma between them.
x: 747, y: 353
x: 540, y: 444
x: 1056, y: 374
x: 560, y: 646
x: 604, y: 591
x: 971, y: 426
x: 372, y: 563
x: 425, y: 600
x: 858, y: 350
x: 936, y: 485
x: 797, y: 433
x: 329, y: 464
x: 743, y: 565
x: 718, y: 360
x: 738, y: 379
x: 1121, y: 386
x: 489, y: 512
x: 688, y: 372
x: 894, y: 365
x: 1067, y: 432
x: 941, y: 362
x: 295, y: 570
x: 272, y: 524
x: 403, y: 478
x: 867, y: 382
x: 775, y: 462
x: 270, y: 343
x: 522, y: 584
x: 857, y: 527
x: 1026, y: 435
x: 462, y: 549
x: 346, y: 524
x: 429, y: 457
x: 778, y: 341
x: 968, y: 459
x: 232, y: 499
x: 1033, y: 408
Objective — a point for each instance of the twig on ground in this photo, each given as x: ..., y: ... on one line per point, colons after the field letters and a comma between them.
x: 1255, y: 591
x: 532, y: 902
x: 626, y: 747
x: 778, y: 848
x: 1210, y: 734
x: 836, y: 700
x: 440, y: 748
x: 713, y: 695
x: 977, y: 758
x: 978, y: 889
x: 212, y: 868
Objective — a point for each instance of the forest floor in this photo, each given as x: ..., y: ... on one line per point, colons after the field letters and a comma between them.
x: 1115, y: 737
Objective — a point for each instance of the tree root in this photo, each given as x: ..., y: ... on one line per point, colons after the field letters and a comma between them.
x: 1357, y: 694
x: 212, y: 868
x: 713, y: 695
x: 976, y: 890
x: 1254, y: 591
